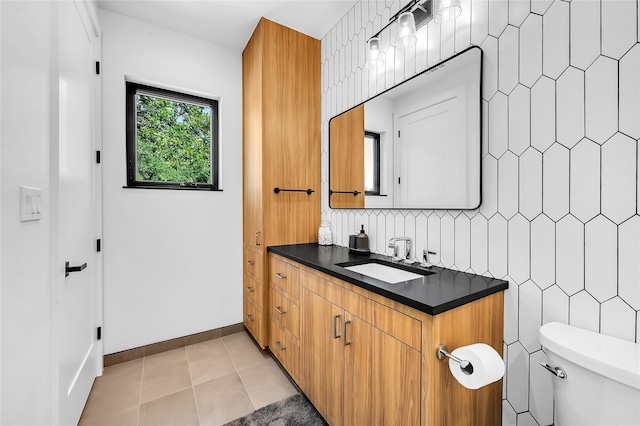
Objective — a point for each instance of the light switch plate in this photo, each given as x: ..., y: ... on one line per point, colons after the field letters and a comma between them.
x: 31, y: 204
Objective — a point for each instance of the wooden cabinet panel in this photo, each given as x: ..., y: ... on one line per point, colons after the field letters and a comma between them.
x: 253, y: 291
x: 285, y: 313
x: 397, y: 324
x: 285, y: 276
x: 347, y: 158
x: 395, y: 381
x: 253, y: 263
x: 322, y: 355
x: 286, y: 348
x: 253, y: 319
x: 252, y: 140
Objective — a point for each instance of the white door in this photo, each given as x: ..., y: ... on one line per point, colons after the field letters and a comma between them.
x: 75, y: 329
x: 429, y: 136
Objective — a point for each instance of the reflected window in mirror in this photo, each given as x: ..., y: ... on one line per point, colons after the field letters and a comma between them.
x: 372, y: 163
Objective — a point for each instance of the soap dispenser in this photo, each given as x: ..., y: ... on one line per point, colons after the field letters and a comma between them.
x: 362, y: 241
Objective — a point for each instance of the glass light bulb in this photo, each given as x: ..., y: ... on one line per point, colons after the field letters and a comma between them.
x: 448, y: 10
x: 406, y: 31
x: 376, y: 56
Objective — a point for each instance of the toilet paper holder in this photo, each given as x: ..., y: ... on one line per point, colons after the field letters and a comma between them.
x: 465, y: 366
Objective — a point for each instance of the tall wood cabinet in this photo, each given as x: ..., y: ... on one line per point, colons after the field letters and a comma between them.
x: 281, y: 149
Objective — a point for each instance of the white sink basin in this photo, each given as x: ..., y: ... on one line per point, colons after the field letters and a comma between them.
x: 384, y: 273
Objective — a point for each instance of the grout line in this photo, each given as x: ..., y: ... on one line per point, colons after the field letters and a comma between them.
x: 140, y: 393
x: 193, y: 389
x: 235, y: 367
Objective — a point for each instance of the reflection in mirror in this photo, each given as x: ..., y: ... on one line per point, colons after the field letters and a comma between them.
x: 417, y: 145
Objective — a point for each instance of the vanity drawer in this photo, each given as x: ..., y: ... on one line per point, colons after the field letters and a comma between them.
x: 285, y: 313
x: 253, y: 264
x: 252, y: 318
x: 252, y: 290
x: 286, y: 348
x: 285, y: 276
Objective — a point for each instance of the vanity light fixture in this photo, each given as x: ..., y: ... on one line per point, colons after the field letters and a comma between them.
x: 376, y: 55
x: 448, y: 10
x: 413, y: 16
x: 406, y: 31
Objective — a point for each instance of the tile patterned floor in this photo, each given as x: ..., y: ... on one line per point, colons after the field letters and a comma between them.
x: 209, y: 383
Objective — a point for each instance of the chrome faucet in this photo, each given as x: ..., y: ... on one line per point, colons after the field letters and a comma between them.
x: 408, y: 243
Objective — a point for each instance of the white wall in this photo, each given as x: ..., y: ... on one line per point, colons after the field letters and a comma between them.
x: 25, y: 310
x: 559, y: 218
x: 172, y: 263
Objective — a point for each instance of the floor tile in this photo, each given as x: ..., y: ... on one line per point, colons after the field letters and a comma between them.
x: 175, y: 409
x: 222, y: 400
x: 164, y: 374
x: 243, y: 351
x: 116, y: 390
x: 127, y: 417
x: 266, y: 383
x: 208, y: 360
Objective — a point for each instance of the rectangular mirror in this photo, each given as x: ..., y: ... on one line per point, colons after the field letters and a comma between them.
x: 414, y: 146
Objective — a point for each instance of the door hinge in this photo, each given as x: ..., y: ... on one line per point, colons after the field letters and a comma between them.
x: 98, y: 67
x: 99, y: 333
x: 98, y: 157
x: 98, y: 245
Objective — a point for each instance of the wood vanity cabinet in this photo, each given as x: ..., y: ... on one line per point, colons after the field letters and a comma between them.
x: 281, y: 149
x: 366, y: 359
x: 354, y: 368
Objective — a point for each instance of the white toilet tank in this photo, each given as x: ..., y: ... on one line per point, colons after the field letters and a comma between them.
x: 602, y: 383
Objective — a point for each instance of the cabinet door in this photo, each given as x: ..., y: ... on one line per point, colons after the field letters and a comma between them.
x: 382, y: 377
x: 252, y: 140
x: 358, y: 372
x: 322, y: 355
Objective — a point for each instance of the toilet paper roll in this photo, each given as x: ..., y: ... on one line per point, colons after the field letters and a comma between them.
x: 488, y: 366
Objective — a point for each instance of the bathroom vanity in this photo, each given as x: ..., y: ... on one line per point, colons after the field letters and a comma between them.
x: 364, y: 350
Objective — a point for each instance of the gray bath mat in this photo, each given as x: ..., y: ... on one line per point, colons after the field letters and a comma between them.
x: 293, y: 411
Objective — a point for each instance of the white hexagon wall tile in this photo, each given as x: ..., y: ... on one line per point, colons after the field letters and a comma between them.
x: 585, y: 180
x: 628, y: 264
x: 560, y: 158
x: 629, y: 90
x: 601, y: 99
x: 555, y: 39
x: 530, y: 49
x: 543, y: 114
x: 543, y: 251
x: 585, y: 33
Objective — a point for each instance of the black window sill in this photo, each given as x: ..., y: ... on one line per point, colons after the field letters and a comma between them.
x: 172, y: 187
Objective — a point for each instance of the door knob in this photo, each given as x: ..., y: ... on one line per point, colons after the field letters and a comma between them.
x: 68, y: 269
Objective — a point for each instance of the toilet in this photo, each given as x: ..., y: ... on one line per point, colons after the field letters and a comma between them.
x: 602, y: 376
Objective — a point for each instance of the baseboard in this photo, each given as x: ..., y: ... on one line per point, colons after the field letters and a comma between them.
x: 167, y: 345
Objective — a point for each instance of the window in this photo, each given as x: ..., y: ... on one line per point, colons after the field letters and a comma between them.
x: 172, y: 139
x: 371, y: 163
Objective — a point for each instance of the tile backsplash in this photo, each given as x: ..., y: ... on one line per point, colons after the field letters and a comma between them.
x: 560, y: 213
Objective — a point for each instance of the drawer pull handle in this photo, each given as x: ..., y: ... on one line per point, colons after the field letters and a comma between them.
x: 250, y: 289
x: 335, y: 327
x: 250, y: 262
x: 282, y: 348
x: 258, y: 238
x: 250, y: 317
x: 279, y: 310
x: 279, y: 275
x: 346, y: 342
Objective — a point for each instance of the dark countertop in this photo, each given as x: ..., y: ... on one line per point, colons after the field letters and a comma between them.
x: 441, y: 291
